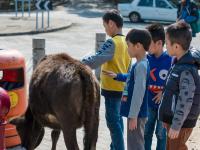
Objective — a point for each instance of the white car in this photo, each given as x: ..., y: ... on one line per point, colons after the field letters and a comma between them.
x: 137, y: 10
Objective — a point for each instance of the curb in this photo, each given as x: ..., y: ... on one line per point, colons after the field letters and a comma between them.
x: 37, y: 32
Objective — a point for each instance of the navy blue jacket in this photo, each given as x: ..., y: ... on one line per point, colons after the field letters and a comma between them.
x: 188, y: 12
x: 125, y: 106
x: 171, y: 95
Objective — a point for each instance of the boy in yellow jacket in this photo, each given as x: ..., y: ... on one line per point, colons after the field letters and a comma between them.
x: 113, y: 56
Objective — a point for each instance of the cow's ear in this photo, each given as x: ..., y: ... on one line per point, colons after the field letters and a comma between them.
x: 17, y: 121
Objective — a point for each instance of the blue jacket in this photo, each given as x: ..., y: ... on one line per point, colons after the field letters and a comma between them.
x: 125, y: 106
x: 178, y: 105
x: 158, y: 72
x: 188, y: 12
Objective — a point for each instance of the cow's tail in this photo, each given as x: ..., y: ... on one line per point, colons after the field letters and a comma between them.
x: 89, y: 89
x: 90, y: 109
x: 29, y: 115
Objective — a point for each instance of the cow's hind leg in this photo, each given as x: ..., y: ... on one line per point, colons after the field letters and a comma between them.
x: 91, y: 125
x: 54, y: 137
x: 69, y: 133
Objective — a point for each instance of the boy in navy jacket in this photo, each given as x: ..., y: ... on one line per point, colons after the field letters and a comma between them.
x: 180, y: 105
x: 134, y: 100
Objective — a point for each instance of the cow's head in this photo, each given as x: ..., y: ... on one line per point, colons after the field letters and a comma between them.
x: 20, y: 126
x: 25, y: 131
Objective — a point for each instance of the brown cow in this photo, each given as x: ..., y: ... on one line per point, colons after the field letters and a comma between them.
x: 63, y: 95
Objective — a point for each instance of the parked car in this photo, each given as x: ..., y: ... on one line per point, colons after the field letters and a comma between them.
x: 137, y: 10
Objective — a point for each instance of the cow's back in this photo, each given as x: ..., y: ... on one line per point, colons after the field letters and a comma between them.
x: 57, y: 90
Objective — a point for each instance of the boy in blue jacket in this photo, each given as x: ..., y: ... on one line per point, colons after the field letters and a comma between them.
x: 159, y: 62
x: 134, y: 100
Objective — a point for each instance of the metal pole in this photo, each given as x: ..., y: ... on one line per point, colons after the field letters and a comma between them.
x: 38, y: 50
x: 29, y: 8
x: 48, y: 19
x: 22, y: 8
x: 37, y: 20
x: 16, y: 9
x: 100, y: 39
x: 42, y: 20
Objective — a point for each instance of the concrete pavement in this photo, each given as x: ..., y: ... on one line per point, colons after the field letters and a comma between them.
x: 11, y: 25
x: 79, y: 40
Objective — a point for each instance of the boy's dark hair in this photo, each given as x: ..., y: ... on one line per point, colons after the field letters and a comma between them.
x: 115, y: 16
x: 180, y: 33
x: 157, y: 32
x: 139, y: 36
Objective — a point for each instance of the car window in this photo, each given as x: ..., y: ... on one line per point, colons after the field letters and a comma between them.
x: 147, y: 3
x: 172, y: 3
x: 125, y: 1
x: 162, y: 4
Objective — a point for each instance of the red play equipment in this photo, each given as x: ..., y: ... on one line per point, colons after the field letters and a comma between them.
x: 4, y: 109
x: 12, y: 79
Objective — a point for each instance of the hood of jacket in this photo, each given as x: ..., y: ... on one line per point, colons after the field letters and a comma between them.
x: 191, y: 57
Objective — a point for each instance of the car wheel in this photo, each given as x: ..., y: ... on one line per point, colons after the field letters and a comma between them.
x: 134, y: 17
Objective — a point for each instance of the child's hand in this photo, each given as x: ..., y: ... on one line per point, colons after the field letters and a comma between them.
x: 132, y: 124
x: 124, y: 98
x: 109, y: 73
x: 173, y: 134
x: 164, y: 125
x: 158, y: 97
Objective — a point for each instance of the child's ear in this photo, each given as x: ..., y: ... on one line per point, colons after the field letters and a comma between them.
x: 111, y: 23
x: 176, y: 46
x: 138, y: 45
x: 160, y: 42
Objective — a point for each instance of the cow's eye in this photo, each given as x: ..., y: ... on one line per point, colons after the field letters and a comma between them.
x: 163, y: 74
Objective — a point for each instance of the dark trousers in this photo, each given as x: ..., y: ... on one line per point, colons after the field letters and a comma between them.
x: 115, y: 123
x: 135, y: 138
x: 154, y: 124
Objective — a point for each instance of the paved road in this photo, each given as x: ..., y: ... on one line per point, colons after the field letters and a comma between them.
x: 78, y: 41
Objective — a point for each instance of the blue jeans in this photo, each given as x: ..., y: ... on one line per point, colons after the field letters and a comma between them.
x: 149, y: 130
x: 114, y: 122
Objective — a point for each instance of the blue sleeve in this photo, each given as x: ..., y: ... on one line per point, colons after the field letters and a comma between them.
x: 192, y: 13
x: 190, y: 19
x: 121, y: 77
x: 104, y: 54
